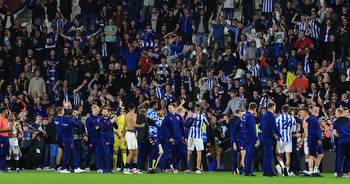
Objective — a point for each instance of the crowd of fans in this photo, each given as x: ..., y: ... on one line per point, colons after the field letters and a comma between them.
x: 220, y: 54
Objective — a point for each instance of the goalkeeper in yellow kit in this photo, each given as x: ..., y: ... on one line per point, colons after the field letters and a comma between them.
x: 119, y: 157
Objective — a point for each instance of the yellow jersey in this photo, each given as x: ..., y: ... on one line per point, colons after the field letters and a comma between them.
x: 119, y: 143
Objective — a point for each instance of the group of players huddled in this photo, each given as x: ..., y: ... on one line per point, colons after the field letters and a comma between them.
x: 137, y: 139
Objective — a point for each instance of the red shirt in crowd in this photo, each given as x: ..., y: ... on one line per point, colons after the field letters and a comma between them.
x: 301, y: 44
x: 4, y: 126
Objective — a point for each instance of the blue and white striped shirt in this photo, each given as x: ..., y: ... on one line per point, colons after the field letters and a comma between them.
x: 159, y: 92
x: 285, y: 124
x: 301, y: 26
x: 210, y: 83
x: 195, y: 130
x: 263, y: 101
x: 255, y: 69
x: 152, y: 115
x: 313, y: 29
x: 267, y: 6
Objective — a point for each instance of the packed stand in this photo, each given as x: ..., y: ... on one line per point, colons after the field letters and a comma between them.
x: 72, y: 79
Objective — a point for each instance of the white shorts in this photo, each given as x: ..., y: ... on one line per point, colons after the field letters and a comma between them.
x: 306, y: 147
x: 195, y: 143
x: 131, y: 140
x: 284, y: 147
x: 14, y: 150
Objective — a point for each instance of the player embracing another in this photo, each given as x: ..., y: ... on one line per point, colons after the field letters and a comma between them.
x: 314, y: 140
x: 94, y: 138
x: 154, y: 122
x: 129, y: 129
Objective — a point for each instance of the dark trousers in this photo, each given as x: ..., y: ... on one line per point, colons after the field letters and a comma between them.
x: 37, y: 152
x: 175, y: 156
x: 67, y: 153
x: 183, y: 157
x: 164, y: 161
x: 296, y: 167
x: 144, y: 150
x: 154, y: 152
x: 46, y: 155
x: 268, y: 157
x: 248, y: 160
x: 77, y: 154
x: 234, y: 160
x: 95, y: 147
x: 4, y: 149
x: 343, y: 151
x: 107, y: 158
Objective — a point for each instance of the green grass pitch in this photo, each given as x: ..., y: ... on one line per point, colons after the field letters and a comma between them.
x: 42, y: 177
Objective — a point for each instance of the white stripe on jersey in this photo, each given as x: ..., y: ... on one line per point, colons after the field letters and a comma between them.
x: 285, y: 124
x: 267, y: 6
x: 195, y: 130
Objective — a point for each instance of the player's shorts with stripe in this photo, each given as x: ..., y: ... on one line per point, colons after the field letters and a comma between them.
x: 195, y: 143
x: 240, y: 145
x: 131, y: 140
x: 284, y: 147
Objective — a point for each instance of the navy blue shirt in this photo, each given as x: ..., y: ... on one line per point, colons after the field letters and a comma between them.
x: 268, y: 126
x: 342, y: 125
x: 106, y: 129
x: 235, y: 123
x: 173, y: 127
x: 91, y: 124
x: 314, y: 129
x: 218, y: 31
x: 58, y: 122
x: 68, y: 125
x: 249, y: 127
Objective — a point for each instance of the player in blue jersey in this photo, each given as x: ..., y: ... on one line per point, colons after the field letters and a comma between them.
x: 106, y: 125
x: 250, y: 138
x: 58, y: 122
x: 172, y: 135
x: 154, y: 123
x: 286, y: 125
x: 68, y: 125
x: 235, y: 124
x: 94, y: 138
x: 195, y: 139
x: 183, y: 151
x: 78, y: 134
x: 342, y: 131
x: 314, y: 139
x: 269, y: 133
